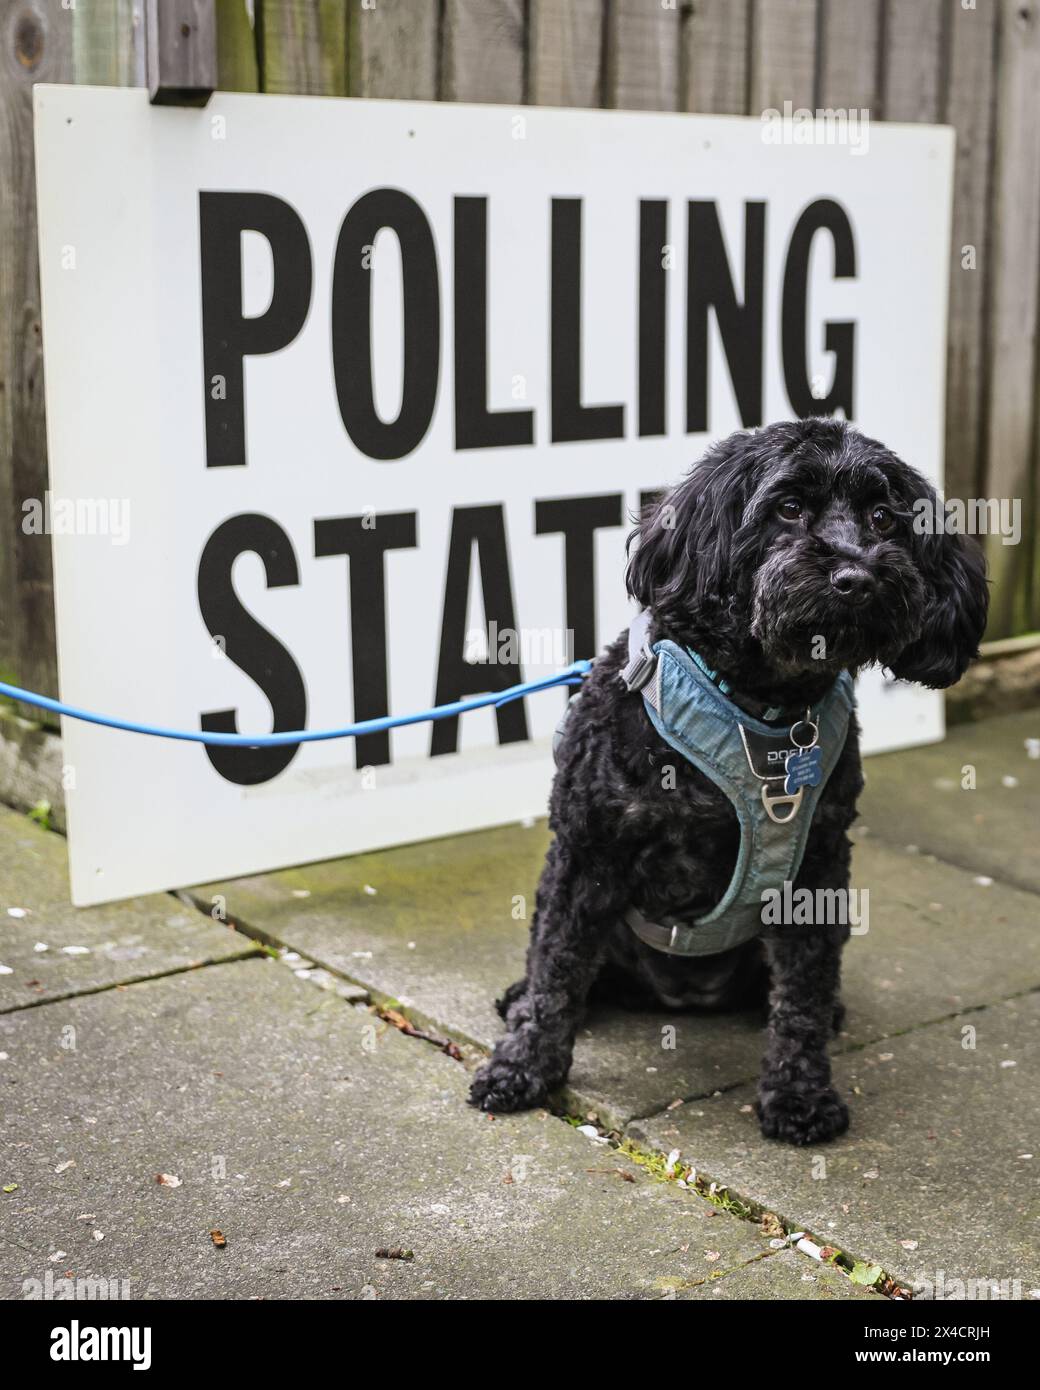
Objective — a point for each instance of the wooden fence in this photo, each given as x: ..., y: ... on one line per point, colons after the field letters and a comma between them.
x: 974, y: 64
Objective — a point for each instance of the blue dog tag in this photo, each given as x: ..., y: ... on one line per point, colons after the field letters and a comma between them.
x: 804, y: 769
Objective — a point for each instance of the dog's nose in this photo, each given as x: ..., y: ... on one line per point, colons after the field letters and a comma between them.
x: 853, y: 583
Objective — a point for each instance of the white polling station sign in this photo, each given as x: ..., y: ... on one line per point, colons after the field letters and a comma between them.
x: 342, y: 382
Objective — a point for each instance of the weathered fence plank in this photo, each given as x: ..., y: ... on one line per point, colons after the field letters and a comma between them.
x: 912, y: 74
x: 35, y: 46
x: 392, y: 49
x: 968, y: 105
x: 303, y: 46
x: 1013, y: 299
x: 108, y: 43
x: 783, y: 55
x: 643, y: 56
x: 483, y: 51
x: 236, y: 47
x: 566, y: 52
x: 848, y: 64
x: 714, y: 72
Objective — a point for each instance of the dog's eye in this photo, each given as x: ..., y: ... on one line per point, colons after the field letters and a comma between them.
x: 882, y: 520
x: 790, y: 509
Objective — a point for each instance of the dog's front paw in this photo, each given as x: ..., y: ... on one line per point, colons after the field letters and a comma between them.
x: 503, y: 1085
x: 797, y: 1117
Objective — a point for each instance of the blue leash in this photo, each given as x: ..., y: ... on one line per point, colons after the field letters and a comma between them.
x: 570, y: 676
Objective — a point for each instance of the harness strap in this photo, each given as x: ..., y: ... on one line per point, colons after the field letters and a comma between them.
x: 692, y: 714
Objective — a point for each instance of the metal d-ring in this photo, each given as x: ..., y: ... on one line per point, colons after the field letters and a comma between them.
x: 793, y: 800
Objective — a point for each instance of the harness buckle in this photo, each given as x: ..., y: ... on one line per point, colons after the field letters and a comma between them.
x: 639, y: 670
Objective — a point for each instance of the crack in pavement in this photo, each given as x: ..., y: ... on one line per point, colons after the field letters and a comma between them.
x: 87, y: 990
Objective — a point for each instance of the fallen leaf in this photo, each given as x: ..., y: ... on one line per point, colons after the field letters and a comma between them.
x: 865, y: 1274
x: 772, y: 1225
x: 218, y: 1238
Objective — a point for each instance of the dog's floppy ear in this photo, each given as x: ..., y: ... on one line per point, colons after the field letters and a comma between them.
x: 691, y: 541
x: 957, y: 600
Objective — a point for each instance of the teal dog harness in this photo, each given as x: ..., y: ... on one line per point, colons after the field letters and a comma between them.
x: 773, y: 778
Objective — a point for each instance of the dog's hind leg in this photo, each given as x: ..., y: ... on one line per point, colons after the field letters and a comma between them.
x: 544, y: 1010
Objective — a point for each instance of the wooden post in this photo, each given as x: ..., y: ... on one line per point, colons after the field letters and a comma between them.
x: 35, y: 46
x: 182, y: 52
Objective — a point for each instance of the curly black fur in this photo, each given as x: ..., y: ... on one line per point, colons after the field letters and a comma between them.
x: 725, y: 568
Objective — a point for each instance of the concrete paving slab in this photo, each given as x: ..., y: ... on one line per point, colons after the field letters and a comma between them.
x: 312, y: 1136
x: 87, y: 948
x: 918, y: 798
x: 433, y: 925
x: 936, y: 1179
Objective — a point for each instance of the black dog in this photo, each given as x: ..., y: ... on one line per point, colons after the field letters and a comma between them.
x: 786, y: 556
